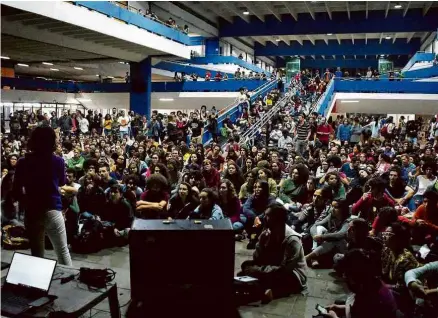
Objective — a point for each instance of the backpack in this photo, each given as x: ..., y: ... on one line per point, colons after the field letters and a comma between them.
x: 90, y: 238
x: 14, y: 238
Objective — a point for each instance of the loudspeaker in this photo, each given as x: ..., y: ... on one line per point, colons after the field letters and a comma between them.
x: 182, y: 267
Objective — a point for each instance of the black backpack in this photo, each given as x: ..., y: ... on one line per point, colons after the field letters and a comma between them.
x: 90, y: 239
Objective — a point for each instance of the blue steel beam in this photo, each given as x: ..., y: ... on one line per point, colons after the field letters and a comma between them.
x: 414, y: 21
x: 373, y: 47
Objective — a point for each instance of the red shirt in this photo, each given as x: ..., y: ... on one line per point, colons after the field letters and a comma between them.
x: 324, y: 129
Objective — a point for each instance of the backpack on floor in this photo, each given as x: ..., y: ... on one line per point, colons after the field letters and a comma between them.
x: 14, y: 238
x: 89, y: 239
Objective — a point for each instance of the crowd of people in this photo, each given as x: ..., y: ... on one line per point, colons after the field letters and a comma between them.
x: 222, y: 76
x: 356, y: 192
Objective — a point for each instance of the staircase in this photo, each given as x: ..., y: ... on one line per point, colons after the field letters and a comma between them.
x: 235, y: 109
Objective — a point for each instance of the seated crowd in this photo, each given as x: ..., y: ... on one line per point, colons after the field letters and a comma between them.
x: 358, y: 193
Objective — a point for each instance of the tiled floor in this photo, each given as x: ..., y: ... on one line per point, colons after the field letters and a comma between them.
x: 322, y: 288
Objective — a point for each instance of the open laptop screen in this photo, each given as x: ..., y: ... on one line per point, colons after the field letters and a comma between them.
x: 31, y: 271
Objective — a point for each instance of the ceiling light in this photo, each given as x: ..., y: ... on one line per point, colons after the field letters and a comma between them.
x: 54, y: 69
x: 388, y: 37
x: 329, y: 33
x: 5, y: 57
x: 277, y: 40
x: 350, y: 101
x: 78, y: 68
x: 97, y: 75
x: 84, y: 99
x: 21, y: 64
x: 110, y: 77
x: 246, y: 12
x: 398, y: 6
x: 121, y: 62
x: 47, y: 63
x: 382, y: 55
x: 166, y: 99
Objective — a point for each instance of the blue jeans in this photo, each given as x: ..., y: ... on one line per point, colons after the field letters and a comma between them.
x: 123, y: 134
x: 239, y: 225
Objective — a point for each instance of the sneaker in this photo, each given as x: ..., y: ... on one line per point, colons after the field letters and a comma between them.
x: 239, y: 237
x: 267, y: 297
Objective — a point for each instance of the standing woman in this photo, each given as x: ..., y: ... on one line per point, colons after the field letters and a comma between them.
x: 41, y: 173
x: 212, y: 127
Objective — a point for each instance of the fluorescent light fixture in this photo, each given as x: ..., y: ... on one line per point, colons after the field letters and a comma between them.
x: 166, y: 99
x: 78, y: 68
x: 97, y: 75
x: 21, y: 64
x: 277, y: 40
x: 350, y: 101
x: 84, y: 99
x: 47, y: 63
x: 398, y: 6
x: 54, y: 69
x: 329, y: 33
x: 110, y: 77
x: 246, y: 12
x: 382, y: 55
x: 5, y: 57
x: 388, y: 37
x: 121, y: 62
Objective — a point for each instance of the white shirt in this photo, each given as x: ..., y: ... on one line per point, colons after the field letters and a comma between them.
x: 83, y: 125
x: 123, y: 121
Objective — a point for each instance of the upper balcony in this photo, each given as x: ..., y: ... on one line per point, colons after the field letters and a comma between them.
x: 102, y: 29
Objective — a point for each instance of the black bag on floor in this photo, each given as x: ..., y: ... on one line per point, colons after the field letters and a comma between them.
x: 90, y: 239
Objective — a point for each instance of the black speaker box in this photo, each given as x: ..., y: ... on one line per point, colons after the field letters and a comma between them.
x: 182, y: 267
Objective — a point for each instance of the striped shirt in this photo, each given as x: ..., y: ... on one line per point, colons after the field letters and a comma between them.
x: 303, y: 130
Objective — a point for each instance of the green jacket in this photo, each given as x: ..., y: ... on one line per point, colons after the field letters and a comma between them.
x: 76, y: 164
x: 290, y: 192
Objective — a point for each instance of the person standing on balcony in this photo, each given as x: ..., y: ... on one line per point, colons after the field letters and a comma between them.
x: 302, y: 134
x: 338, y: 73
x: 237, y: 74
x: 327, y: 75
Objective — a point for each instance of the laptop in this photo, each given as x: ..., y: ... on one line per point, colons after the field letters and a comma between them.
x: 28, y: 279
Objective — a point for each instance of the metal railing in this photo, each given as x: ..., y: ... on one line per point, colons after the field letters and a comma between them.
x: 252, y: 131
x: 258, y: 91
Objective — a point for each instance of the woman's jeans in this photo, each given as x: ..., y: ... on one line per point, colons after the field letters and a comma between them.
x: 52, y: 223
x: 239, y: 225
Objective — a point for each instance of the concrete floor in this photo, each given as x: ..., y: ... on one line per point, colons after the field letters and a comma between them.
x: 322, y: 288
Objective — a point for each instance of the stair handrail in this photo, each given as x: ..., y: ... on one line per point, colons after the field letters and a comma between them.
x: 251, y: 132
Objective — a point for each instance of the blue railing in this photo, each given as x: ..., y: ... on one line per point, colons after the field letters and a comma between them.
x: 235, y: 110
x: 114, y: 11
x: 218, y: 59
x: 209, y: 86
x: 326, y: 98
x: 188, y: 69
x: 347, y: 85
x: 418, y: 57
x: 426, y: 72
x: 73, y: 87
x: 405, y: 85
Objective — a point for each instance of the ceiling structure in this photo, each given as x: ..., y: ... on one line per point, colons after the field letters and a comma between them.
x: 40, y: 46
x: 305, y: 23
x: 268, y: 29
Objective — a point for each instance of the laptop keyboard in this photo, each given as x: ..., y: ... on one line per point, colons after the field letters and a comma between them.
x: 13, y: 303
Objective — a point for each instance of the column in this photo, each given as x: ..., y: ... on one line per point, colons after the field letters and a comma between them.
x: 212, y: 47
x: 141, y: 87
